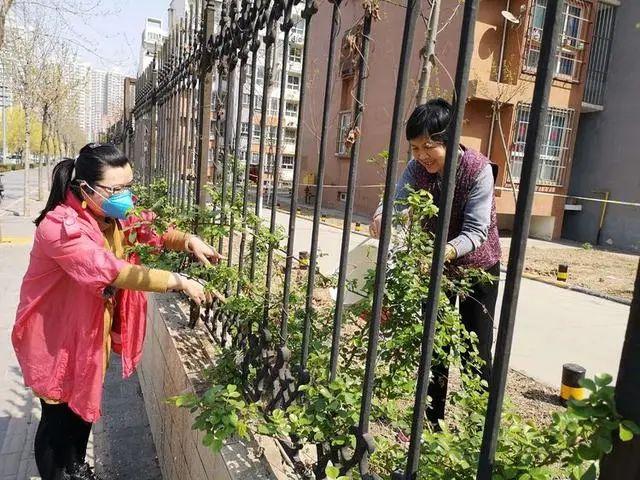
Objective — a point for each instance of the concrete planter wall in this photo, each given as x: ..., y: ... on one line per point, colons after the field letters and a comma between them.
x: 173, y: 360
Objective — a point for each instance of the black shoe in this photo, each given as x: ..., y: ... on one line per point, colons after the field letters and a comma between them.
x: 82, y: 472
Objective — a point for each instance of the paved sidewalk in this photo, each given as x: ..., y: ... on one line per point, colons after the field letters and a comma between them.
x: 553, y: 326
x: 120, y: 446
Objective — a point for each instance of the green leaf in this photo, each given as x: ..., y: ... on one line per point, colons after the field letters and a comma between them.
x: 625, y: 433
x: 603, y: 379
x: 588, y: 453
x: 633, y: 426
x: 604, y: 444
x: 588, y: 384
x: 332, y: 472
x: 590, y: 474
x: 208, y: 439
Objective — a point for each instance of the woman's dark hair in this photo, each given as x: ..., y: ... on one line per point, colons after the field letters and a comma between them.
x: 431, y: 120
x: 90, y: 165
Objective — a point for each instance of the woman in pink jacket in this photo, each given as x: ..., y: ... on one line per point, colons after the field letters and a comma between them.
x: 81, y: 298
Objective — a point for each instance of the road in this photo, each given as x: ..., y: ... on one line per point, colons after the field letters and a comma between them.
x: 553, y: 326
x: 13, y: 182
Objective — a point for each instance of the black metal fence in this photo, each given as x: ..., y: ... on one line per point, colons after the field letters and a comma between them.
x: 188, y: 132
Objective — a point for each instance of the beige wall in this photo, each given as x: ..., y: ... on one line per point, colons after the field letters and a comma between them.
x: 173, y: 363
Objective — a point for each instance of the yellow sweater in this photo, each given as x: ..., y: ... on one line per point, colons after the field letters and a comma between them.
x: 132, y: 277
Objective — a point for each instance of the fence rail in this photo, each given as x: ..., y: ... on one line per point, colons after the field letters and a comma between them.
x: 195, y: 87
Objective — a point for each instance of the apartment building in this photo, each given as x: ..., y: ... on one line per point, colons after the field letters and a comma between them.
x: 152, y: 37
x: 505, y: 55
x: 293, y: 70
x: 606, y: 166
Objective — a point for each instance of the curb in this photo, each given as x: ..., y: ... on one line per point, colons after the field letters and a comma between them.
x: 16, y: 240
x: 573, y: 288
x: 310, y: 218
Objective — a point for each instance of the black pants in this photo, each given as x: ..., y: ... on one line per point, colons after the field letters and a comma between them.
x: 477, y: 311
x: 61, y: 440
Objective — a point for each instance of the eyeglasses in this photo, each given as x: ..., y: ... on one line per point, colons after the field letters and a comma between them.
x: 114, y: 190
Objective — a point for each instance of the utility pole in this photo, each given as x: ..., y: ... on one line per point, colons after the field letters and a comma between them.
x: 427, y: 53
x: 4, y: 115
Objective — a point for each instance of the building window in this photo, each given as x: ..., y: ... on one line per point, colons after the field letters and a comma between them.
x: 269, y: 163
x: 260, y: 76
x: 291, y: 109
x: 290, y: 136
x: 556, y: 146
x: 273, y: 133
x: 349, y: 56
x: 287, y: 161
x: 298, y: 27
x: 295, y: 55
x: 246, y: 98
x: 571, y: 46
x: 244, y: 131
x: 293, y: 82
x: 600, y: 54
x: 256, y: 133
x: 255, y: 158
x: 257, y: 103
x: 344, y: 125
x: 342, y: 197
x: 273, y: 107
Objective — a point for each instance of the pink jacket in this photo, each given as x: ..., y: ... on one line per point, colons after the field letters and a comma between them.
x: 58, y: 336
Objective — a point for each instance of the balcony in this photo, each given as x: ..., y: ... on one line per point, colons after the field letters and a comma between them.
x: 294, y: 67
x: 595, y: 86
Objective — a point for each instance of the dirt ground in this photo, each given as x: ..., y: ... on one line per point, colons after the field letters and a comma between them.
x: 598, y: 270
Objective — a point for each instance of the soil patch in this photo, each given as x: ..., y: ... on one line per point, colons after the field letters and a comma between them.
x: 608, y: 273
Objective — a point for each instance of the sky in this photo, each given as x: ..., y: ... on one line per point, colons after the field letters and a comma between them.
x: 110, y: 37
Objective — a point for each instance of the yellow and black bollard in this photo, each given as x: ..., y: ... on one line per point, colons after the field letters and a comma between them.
x: 358, y: 227
x: 572, y: 374
x: 323, y: 217
x: 563, y: 272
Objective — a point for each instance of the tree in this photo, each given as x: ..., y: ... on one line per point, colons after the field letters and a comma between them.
x: 29, y: 46
x: 5, y: 5
x: 16, y: 129
x: 53, y: 9
x: 57, y: 95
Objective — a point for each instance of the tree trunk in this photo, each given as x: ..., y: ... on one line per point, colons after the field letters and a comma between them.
x: 59, y: 139
x: 43, y: 141
x: 26, y: 157
x: 48, y: 157
x: 428, y: 53
x: 5, y: 5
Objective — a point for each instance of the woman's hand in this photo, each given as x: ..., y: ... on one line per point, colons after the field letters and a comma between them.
x: 193, y: 289
x: 203, y: 251
x: 374, y: 226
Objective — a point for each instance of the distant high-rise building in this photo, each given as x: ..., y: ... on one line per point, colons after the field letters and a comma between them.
x: 106, y: 101
x: 97, y: 105
x: 79, y: 75
x: 179, y: 9
x: 114, y: 96
x: 152, y: 37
